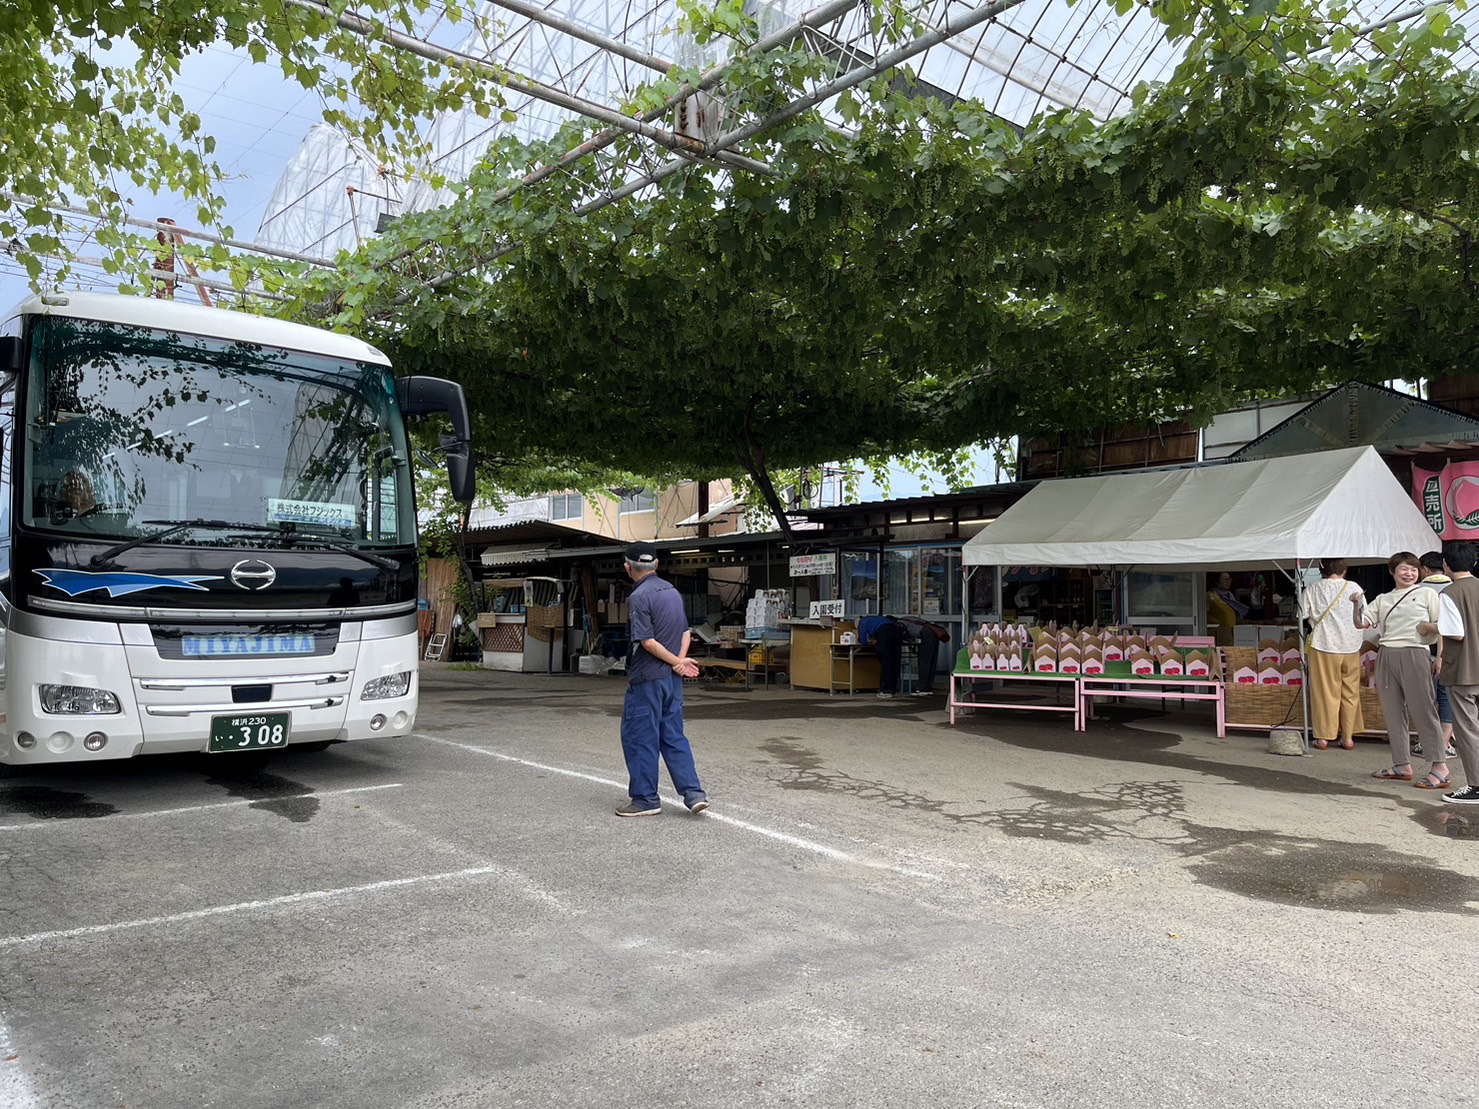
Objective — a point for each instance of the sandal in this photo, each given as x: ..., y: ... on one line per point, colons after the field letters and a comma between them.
x: 1434, y: 780
x: 1392, y: 774
x: 1320, y: 744
x: 1348, y: 743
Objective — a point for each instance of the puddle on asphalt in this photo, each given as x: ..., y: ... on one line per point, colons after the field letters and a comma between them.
x: 270, y: 793
x: 1350, y: 877
x: 45, y: 803
x: 1444, y: 821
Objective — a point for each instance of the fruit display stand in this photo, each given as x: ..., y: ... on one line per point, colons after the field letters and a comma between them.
x: 965, y: 694
x: 1252, y: 706
x: 1118, y: 681
x: 1259, y: 708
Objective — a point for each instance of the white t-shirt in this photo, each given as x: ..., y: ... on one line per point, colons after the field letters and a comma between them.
x: 1397, y: 614
x: 1450, y: 622
x: 1337, y: 633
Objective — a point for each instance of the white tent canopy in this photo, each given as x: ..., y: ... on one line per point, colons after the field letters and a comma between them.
x: 1238, y: 516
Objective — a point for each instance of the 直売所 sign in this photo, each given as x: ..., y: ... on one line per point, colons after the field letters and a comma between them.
x: 1449, y: 498
x: 809, y: 565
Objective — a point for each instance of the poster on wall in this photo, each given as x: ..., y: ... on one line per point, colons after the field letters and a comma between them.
x: 862, y: 578
x: 1449, y: 498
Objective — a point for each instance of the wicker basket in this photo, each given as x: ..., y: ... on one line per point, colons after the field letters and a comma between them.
x: 1266, y: 706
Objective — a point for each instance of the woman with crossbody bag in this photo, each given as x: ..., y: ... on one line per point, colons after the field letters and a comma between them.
x: 1406, y: 620
x: 1334, y: 656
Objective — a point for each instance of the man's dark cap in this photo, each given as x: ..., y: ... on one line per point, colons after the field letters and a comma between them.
x: 642, y: 554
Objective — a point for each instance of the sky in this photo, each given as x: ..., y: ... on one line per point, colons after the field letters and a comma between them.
x: 258, y: 118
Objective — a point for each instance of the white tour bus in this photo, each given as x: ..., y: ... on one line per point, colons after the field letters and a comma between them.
x: 207, y: 531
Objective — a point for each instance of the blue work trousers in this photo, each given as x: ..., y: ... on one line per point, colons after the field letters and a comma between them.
x: 888, y: 641
x: 652, y: 724
x: 929, y: 661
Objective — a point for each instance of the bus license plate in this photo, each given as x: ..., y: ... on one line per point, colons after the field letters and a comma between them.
x: 250, y: 731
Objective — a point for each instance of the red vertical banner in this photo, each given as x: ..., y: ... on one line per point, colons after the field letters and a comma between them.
x: 1427, y: 491
x: 1449, y: 498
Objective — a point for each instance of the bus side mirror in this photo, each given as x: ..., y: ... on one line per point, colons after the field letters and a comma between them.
x: 461, y: 475
x: 424, y: 396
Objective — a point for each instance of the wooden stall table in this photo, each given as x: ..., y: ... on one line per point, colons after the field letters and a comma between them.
x: 768, y: 664
x: 1118, y: 681
x: 726, y: 666
x: 960, y: 680
x: 819, y: 661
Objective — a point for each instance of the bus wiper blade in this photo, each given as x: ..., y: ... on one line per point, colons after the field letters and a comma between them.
x: 344, y: 548
x: 174, y: 529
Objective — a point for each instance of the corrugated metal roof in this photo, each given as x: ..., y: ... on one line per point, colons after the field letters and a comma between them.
x: 1358, y: 414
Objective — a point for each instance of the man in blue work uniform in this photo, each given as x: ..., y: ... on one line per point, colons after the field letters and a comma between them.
x: 887, y: 636
x: 652, y: 718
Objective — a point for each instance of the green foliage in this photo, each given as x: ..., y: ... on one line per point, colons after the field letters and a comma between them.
x: 936, y: 278
x: 1279, y: 216
x: 86, y: 115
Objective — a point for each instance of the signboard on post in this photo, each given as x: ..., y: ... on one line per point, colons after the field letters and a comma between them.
x: 826, y: 608
x: 810, y: 565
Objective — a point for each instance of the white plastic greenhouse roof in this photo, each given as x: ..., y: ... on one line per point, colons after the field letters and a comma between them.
x: 568, y: 58
x: 1035, y: 56
x: 1020, y: 58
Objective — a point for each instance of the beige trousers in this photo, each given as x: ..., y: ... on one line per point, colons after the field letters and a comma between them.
x: 1404, y: 681
x: 1335, y: 695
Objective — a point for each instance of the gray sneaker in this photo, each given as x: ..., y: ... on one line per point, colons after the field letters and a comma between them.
x: 636, y: 808
x: 697, y: 804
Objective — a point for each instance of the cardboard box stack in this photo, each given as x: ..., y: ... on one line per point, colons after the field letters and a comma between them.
x: 763, y: 612
x: 1279, y: 663
x: 998, y: 647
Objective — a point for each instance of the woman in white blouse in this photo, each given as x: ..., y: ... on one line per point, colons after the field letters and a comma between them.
x: 1406, y: 621
x: 1334, y: 656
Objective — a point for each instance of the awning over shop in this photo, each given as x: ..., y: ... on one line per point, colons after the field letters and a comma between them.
x: 1243, y: 515
x: 514, y: 556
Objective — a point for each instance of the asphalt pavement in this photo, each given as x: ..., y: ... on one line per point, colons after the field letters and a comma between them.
x: 879, y: 909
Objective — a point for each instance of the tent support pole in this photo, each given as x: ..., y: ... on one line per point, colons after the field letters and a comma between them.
x: 965, y: 606
x: 1304, y: 662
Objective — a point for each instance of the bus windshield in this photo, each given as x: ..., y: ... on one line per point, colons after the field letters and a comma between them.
x: 128, y: 428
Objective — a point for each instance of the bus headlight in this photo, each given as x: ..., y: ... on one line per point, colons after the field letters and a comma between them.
x: 392, y: 685
x: 77, y: 700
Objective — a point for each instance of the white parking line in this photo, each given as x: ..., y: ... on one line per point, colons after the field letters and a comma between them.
x: 35, y: 824
x: 243, y: 906
x: 769, y: 833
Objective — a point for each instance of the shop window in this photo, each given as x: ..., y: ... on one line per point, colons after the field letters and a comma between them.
x: 860, y: 583
x: 900, y: 582
x: 985, y: 604
x: 939, y: 582
x: 1161, y: 600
